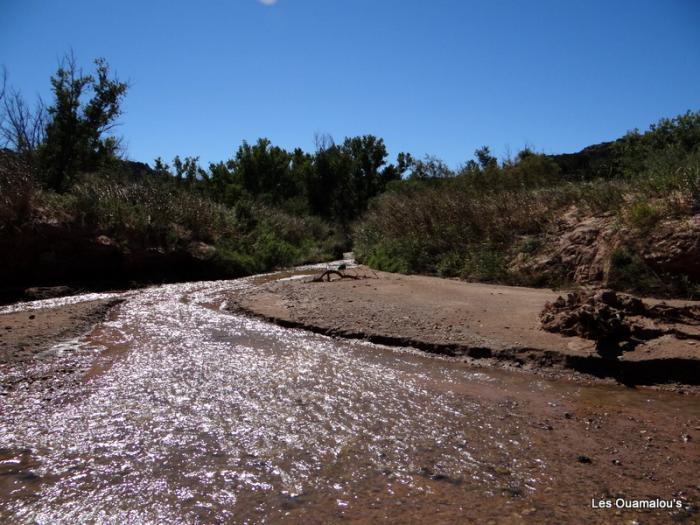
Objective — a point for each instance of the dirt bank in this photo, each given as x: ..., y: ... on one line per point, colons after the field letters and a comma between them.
x: 479, y: 321
x: 25, y: 334
x: 84, y: 258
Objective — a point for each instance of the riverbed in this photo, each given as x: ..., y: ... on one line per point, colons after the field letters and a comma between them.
x: 176, y: 410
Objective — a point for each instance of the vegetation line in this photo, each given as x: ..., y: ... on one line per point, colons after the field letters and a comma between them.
x: 66, y: 193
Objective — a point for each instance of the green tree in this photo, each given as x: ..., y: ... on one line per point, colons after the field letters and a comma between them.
x: 187, y: 170
x: 264, y: 170
x: 485, y: 159
x: 430, y: 167
x: 224, y: 186
x: 77, y: 133
x: 330, y: 187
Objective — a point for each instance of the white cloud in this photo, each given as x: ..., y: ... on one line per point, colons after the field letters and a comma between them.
x: 268, y: 2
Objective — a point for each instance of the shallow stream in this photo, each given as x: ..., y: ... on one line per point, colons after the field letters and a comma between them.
x: 185, y: 413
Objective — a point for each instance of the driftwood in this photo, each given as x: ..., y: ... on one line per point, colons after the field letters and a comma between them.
x: 327, y: 276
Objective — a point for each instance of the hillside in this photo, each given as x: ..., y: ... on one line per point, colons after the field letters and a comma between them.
x: 623, y: 214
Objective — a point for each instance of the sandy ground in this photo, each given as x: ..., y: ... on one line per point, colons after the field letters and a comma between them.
x: 23, y: 335
x: 499, y: 323
x: 420, y: 439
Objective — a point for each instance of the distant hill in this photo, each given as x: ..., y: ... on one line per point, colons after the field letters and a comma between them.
x: 592, y: 161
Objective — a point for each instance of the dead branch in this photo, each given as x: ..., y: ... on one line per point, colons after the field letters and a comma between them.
x: 328, y: 273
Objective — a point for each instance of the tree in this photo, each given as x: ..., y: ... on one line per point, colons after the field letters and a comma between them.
x: 344, y: 178
x: 430, y: 167
x: 77, y: 132
x: 368, y: 154
x: 264, y: 169
x: 21, y: 127
x: 188, y: 170
x: 4, y: 83
x: 329, y: 186
x: 485, y: 159
x: 223, y: 185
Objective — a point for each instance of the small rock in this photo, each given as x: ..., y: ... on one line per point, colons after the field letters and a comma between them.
x: 584, y: 459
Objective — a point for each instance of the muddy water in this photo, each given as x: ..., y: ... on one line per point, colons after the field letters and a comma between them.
x: 180, y: 412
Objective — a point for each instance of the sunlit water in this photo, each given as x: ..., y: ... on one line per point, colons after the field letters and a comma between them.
x: 210, y: 417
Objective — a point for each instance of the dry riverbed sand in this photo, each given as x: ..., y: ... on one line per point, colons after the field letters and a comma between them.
x: 487, y: 323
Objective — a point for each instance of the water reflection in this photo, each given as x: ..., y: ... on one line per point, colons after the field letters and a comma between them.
x: 205, y: 416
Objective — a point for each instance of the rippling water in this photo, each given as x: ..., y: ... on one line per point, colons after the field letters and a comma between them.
x: 191, y: 414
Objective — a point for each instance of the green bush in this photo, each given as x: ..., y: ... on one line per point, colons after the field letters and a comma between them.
x: 529, y: 245
x: 628, y: 271
x: 451, y: 264
x: 644, y: 215
x: 485, y: 263
x: 235, y: 264
x: 472, y: 225
x: 384, y: 260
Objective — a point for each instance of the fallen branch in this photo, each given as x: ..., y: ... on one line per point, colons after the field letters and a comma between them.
x: 327, y: 275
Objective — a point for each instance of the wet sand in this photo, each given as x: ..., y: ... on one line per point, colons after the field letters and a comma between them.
x: 24, y: 334
x: 42, y: 344
x: 498, y: 324
x: 210, y: 416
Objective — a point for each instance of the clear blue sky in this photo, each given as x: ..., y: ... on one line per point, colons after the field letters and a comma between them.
x: 438, y: 77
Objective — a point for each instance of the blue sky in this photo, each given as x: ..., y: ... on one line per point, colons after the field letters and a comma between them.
x: 438, y: 77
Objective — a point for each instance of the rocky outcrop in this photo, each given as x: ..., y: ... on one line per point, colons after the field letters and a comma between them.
x: 674, y: 247
x: 618, y: 321
x: 580, y: 249
x: 585, y: 247
x: 579, y: 246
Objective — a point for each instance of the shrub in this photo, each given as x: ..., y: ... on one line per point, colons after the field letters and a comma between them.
x: 234, y: 263
x: 485, y: 263
x: 628, y: 271
x: 644, y: 215
x: 384, y: 260
x: 17, y: 192
x: 154, y: 212
x: 472, y: 225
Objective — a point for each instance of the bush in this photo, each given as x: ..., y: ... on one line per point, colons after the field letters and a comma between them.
x: 160, y: 213
x: 644, y: 215
x: 628, y: 271
x: 382, y: 259
x: 474, y: 224
x: 17, y: 192
x: 235, y: 264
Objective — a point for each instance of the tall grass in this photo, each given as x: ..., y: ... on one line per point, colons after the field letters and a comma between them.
x: 474, y: 225
x: 164, y: 215
x: 157, y: 212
